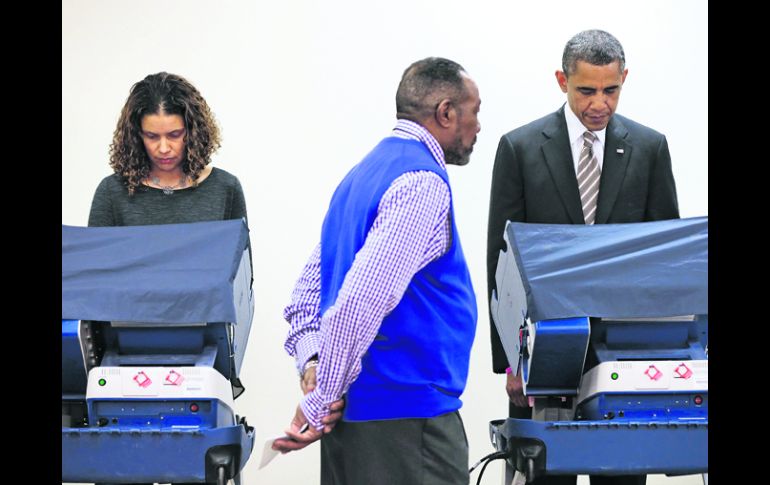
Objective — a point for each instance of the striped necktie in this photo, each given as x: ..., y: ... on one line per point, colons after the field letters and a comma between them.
x: 588, y: 178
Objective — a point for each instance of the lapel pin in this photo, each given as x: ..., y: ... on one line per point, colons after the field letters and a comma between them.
x: 619, y: 150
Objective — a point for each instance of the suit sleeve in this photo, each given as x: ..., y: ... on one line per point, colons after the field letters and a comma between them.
x: 506, y: 203
x: 661, y: 199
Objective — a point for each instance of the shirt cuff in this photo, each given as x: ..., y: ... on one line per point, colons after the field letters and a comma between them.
x: 314, y: 410
x: 306, y: 347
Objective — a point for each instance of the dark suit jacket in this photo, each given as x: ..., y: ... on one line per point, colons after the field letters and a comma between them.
x: 534, y: 181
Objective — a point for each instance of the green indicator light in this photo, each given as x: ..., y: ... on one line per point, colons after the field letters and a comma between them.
x: 614, y: 376
x: 102, y: 382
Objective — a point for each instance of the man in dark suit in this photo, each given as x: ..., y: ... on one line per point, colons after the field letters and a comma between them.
x: 548, y: 171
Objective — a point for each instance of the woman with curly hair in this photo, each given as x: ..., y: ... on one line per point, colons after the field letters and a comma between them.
x: 160, y: 153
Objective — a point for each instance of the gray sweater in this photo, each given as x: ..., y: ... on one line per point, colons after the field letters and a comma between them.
x: 218, y: 197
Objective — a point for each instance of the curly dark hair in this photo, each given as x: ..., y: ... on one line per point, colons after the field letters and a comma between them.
x: 168, y: 94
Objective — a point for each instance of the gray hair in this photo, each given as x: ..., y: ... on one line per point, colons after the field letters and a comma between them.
x: 595, y: 47
x: 425, y: 83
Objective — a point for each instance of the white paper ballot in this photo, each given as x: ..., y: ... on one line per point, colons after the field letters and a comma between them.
x: 268, y: 453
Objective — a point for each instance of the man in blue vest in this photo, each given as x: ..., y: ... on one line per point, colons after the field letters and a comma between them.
x: 384, y: 313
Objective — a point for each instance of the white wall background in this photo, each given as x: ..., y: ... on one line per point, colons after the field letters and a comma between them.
x: 304, y: 89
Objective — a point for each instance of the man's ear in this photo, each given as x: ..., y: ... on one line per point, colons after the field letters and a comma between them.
x: 561, y: 78
x: 445, y: 113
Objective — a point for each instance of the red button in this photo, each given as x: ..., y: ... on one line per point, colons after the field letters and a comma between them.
x: 194, y: 408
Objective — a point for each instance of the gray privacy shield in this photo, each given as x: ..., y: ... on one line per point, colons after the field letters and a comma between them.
x: 647, y: 269
x: 171, y: 273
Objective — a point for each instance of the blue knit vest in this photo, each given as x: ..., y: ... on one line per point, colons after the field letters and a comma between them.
x: 417, y: 365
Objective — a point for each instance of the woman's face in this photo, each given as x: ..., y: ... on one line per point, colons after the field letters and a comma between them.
x: 164, y: 140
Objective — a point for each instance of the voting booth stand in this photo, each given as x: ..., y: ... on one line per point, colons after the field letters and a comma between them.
x: 155, y: 321
x: 608, y: 327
